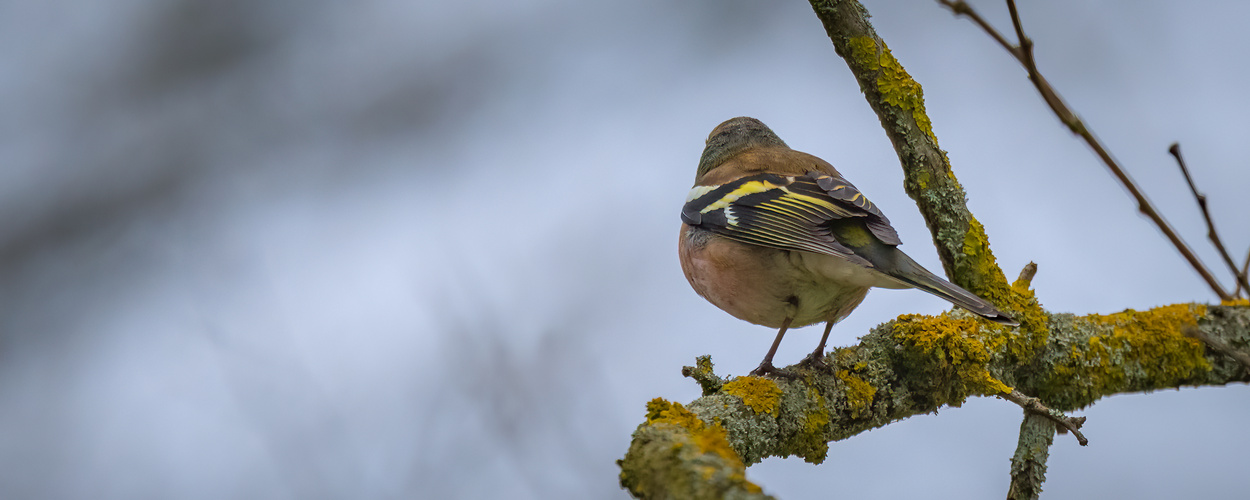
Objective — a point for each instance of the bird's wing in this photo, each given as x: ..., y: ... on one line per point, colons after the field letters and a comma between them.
x: 786, y: 212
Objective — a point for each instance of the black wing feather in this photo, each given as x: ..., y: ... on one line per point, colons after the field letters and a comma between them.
x: 792, y: 213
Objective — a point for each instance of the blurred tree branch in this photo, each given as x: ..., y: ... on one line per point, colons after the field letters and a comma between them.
x: 1051, y: 363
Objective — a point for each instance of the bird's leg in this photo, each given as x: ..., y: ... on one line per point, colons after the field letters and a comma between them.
x: 766, y: 367
x: 817, y: 357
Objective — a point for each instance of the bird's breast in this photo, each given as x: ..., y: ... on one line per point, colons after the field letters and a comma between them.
x: 764, y: 285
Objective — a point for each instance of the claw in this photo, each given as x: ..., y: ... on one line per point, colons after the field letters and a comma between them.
x: 816, y: 360
x: 766, y: 368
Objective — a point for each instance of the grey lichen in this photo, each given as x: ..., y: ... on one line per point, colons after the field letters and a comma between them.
x: 1028, y: 465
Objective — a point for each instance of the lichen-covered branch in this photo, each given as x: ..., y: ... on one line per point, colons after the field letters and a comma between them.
x: 1028, y: 465
x: 677, y: 454
x: 1238, y: 355
x: 1245, y: 270
x: 915, y: 365
x: 899, y: 103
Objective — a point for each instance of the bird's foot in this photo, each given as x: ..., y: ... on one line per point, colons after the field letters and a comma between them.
x: 816, y: 360
x: 766, y: 368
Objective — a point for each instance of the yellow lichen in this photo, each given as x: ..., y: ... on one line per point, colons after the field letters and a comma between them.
x: 662, y: 410
x: 708, y: 439
x: 921, y: 178
x: 761, y: 395
x: 1129, y: 350
x: 897, y: 88
x: 1025, y: 307
x: 704, y: 365
x: 978, y: 264
x: 703, y: 373
x: 954, y: 353
x: 986, y: 280
x: 864, y: 52
x: 811, y: 441
x: 849, y: 356
x: 817, y: 420
x: 1236, y: 302
x: 993, y: 385
x: 955, y: 339
x: 1156, y: 339
x: 813, y: 446
x: 859, y: 393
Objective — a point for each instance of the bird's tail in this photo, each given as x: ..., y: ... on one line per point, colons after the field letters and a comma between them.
x: 911, y: 273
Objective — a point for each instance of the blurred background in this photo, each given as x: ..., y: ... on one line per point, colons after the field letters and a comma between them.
x: 395, y: 249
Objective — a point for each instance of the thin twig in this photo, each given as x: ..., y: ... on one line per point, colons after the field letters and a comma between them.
x: 1024, y: 54
x: 1026, y: 274
x: 1245, y: 268
x: 1034, y: 405
x: 1211, y: 233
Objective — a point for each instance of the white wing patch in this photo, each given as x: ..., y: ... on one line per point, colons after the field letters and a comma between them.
x: 699, y: 191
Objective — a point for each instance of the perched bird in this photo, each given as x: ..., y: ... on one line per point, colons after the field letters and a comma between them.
x: 779, y: 238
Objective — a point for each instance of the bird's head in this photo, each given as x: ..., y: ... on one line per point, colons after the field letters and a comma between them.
x: 734, y: 136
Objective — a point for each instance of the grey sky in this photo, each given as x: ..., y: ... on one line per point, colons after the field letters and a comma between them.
x: 386, y: 249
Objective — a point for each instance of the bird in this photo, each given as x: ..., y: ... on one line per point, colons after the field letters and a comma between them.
x: 779, y: 238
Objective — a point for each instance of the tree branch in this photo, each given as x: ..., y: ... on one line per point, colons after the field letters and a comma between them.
x: 899, y: 104
x: 916, y: 365
x: 1028, y: 465
x: 1220, y: 347
x: 1034, y: 406
x: 1212, y: 234
x: 1026, y: 275
x: 1245, y: 269
x: 1024, y: 54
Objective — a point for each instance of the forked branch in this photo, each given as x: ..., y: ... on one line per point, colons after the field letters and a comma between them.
x: 1035, y: 406
x: 1023, y: 52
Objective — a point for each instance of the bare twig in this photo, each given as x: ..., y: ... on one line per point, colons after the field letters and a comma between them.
x: 1245, y: 268
x: 1218, y: 346
x: 1026, y: 274
x: 1024, y: 54
x: 1214, y: 236
x: 1035, y: 406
